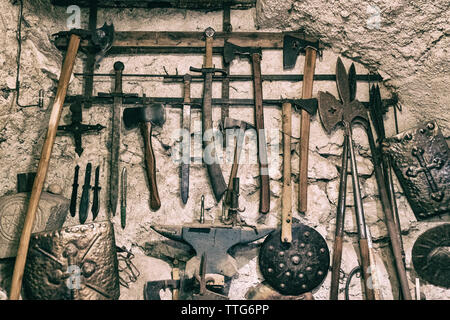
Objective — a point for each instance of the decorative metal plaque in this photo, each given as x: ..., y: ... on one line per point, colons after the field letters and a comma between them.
x: 74, y: 263
x: 431, y: 255
x: 50, y: 215
x: 420, y: 158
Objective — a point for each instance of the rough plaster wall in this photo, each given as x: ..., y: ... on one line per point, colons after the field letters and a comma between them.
x: 22, y: 132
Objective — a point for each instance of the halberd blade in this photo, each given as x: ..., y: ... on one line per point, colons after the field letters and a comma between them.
x: 342, y: 82
x: 330, y: 111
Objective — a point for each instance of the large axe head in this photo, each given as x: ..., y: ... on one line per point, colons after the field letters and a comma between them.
x: 154, y: 113
x: 230, y: 123
x: 348, y: 109
x: 293, y: 46
x: 231, y: 50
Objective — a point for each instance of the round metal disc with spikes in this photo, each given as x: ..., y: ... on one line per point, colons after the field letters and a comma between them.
x: 431, y: 255
x: 298, y: 267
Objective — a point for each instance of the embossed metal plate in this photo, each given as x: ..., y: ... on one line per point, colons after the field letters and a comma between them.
x: 296, y: 268
x: 51, y: 214
x: 421, y: 163
x: 431, y: 255
x: 74, y: 263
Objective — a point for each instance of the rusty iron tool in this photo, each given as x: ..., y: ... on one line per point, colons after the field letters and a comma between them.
x: 431, y: 255
x: 255, y: 54
x: 115, y: 138
x: 214, y: 239
x: 295, y: 259
x: 75, y: 37
x: 383, y: 174
x: 210, y: 157
x: 96, y: 197
x: 123, y: 199
x: 292, y: 47
x: 84, y: 202
x: 333, y: 112
x: 146, y: 117
x: 73, y: 198
x: 241, y: 126
x: 77, y: 128
x: 186, y: 142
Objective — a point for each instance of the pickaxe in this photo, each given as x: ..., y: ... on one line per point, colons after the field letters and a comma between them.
x: 255, y: 54
x: 146, y: 117
x: 242, y: 126
x: 347, y: 111
x: 104, y: 38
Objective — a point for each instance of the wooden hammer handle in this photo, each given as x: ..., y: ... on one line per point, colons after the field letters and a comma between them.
x: 264, y: 204
x: 308, y: 80
x: 150, y: 165
x: 41, y: 174
x: 286, y: 204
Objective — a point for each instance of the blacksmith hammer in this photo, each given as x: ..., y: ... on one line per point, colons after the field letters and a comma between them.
x: 292, y: 46
x: 255, y: 54
x: 242, y: 126
x: 75, y: 38
x: 146, y: 117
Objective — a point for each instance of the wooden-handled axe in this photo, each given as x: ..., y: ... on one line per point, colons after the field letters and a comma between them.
x: 255, y: 54
x: 292, y: 46
x: 145, y: 117
x: 61, y: 91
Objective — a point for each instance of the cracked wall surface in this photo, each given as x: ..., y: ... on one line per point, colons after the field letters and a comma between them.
x: 409, y: 49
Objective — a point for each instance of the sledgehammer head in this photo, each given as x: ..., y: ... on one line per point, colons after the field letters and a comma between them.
x: 154, y: 113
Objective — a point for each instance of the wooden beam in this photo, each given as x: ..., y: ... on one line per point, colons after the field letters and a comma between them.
x: 127, y: 42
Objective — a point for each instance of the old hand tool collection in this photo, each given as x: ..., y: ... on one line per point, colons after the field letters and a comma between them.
x: 295, y: 259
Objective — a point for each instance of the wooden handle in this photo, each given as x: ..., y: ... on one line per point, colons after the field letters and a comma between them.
x: 336, y: 267
x: 187, y: 89
x: 150, y: 165
x: 208, y: 52
x: 308, y: 80
x: 264, y: 204
x: 366, y: 272
x: 41, y: 174
x: 233, y: 174
x: 286, y: 198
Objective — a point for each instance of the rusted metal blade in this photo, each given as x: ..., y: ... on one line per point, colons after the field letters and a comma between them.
x: 330, y: 111
x: 342, y: 82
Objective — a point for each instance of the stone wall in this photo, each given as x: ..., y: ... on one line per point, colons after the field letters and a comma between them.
x: 409, y: 49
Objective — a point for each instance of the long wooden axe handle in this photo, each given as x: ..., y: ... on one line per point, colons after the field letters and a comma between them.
x: 41, y: 174
x: 286, y: 205
x: 307, y: 88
